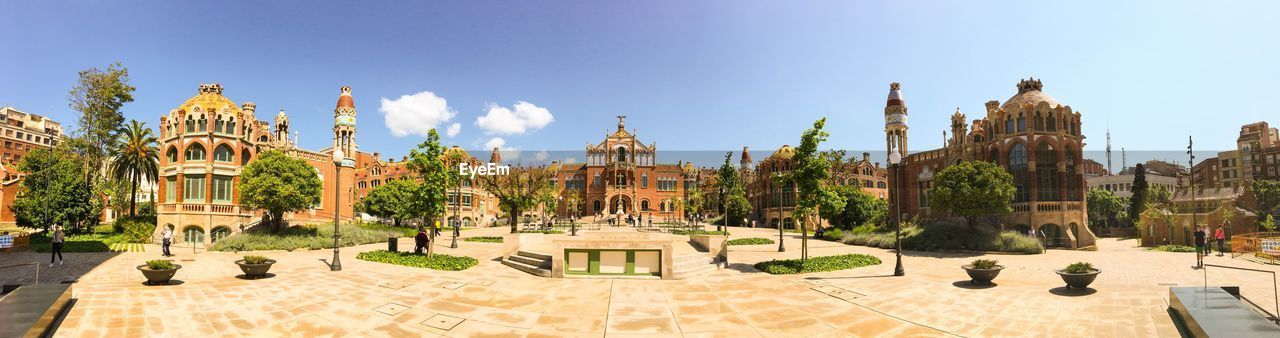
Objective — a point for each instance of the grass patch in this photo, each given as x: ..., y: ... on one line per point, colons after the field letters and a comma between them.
x: 698, y: 232
x: 484, y: 239
x: 817, y: 264
x: 948, y: 237
x: 1174, y: 248
x: 435, y: 262
x: 95, y: 242
x: 750, y: 241
x: 548, y: 232
x: 307, y: 237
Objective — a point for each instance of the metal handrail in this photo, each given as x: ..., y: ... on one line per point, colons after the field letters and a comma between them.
x: 1274, y: 289
x: 37, y: 264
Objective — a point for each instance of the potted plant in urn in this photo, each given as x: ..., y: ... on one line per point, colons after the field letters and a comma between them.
x: 1079, y: 275
x: 255, y: 266
x: 159, y: 271
x: 982, y: 271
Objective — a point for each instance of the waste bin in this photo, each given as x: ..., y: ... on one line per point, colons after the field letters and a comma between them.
x: 391, y: 244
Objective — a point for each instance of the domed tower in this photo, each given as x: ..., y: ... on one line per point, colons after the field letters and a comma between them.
x: 495, y: 157
x: 282, y: 127
x: 958, y: 128
x: 895, y: 122
x: 344, y: 123
x: 745, y: 162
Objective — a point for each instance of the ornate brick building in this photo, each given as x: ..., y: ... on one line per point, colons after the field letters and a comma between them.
x: 773, y: 203
x: 1031, y: 135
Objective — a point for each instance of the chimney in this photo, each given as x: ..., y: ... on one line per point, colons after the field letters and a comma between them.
x: 866, y: 157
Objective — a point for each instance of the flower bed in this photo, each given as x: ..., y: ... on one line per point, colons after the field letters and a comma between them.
x: 435, y: 262
x: 817, y: 264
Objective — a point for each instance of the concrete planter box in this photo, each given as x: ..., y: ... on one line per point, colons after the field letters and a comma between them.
x: 1078, y: 280
x: 982, y: 276
x: 716, y: 245
x: 158, y: 276
x: 255, y: 270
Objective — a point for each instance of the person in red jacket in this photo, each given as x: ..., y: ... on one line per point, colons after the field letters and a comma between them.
x: 1221, y: 236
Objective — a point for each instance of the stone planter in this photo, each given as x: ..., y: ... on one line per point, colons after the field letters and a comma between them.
x: 255, y: 270
x: 982, y: 276
x: 158, y: 276
x: 1078, y: 280
x: 716, y: 245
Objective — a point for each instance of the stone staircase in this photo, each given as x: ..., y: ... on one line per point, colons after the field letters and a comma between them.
x: 534, y: 263
x: 695, y: 264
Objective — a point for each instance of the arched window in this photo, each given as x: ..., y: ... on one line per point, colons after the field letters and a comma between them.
x: 881, y: 185
x: 191, y: 124
x: 1021, y: 178
x: 644, y: 205
x: 1072, y: 185
x: 1039, y: 124
x: 1052, y: 122
x: 231, y: 126
x: 595, y: 205
x: 218, y: 124
x: 1008, y: 124
x: 644, y: 180
x: 1022, y: 122
x: 867, y: 184
x: 244, y: 156
x: 195, y: 152
x: 622, y: 154
x: 172, y: 154
x: 202, y: 124
x: 994, y: 156
x: 1046, y: 173
x: 620, y: 179
x: 223, y: 154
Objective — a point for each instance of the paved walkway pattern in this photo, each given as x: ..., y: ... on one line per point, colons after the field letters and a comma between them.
x: 366, y: 299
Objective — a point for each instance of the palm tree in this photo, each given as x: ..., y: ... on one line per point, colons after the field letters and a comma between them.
x: 137, y: 159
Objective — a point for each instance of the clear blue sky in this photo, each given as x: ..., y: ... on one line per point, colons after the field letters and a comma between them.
x: 692, y: 75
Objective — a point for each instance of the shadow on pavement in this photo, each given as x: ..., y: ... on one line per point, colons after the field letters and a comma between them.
x: 75, y: 265
x: 1069, y: 292
x: 968, y: 284
x: 265, y: 276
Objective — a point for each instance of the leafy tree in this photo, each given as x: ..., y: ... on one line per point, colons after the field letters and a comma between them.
x: 1266, y: 194
x: 693, y: 204
x: 147, y: 209
x: 1269, y: 224
x: 427, y: 162
x: 549, y: 199
x: 732, y: 192
x: 810, y: 174
x: 973, y: 189
x: 393, y: 200
x: 1103, y: 205
x: 278, y: 184
x: 136, y: 159
x: 859, y: 208
x: 53, y: 191
x: 572, y: 202
x: 516, y: 191
x: 1159, y: 196
x: 99, y: 96
x: 1138, y: 201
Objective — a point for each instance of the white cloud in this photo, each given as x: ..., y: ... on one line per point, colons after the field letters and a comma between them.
x: 454, y: 129
x: 416, y: 114
x: 522, y: 117
x: 508, y: 153
x: 496, y: 142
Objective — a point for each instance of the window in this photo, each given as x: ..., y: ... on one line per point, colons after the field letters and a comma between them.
x: 191, y: 124
x: 644, y: 205
x: 223, y: 154
x: 466, y: 200
x: 1047, y: 173
x: 644, y: 181
x: 595, y: 181
x: 193, y: 189
x: 1008, y: 124
x: 554, y: 183
x: 195, y: 152
x: 171, y: 189
x: 221, y: 188
x: 202, y: 125
x: 1022, y: 123
x: 924, y: 193
x: 868, y: 184
x: 881, y: 185
x: 218, y: 125
x: 1018, y: 167
x: 595, y: 205
x: 1052, y: 123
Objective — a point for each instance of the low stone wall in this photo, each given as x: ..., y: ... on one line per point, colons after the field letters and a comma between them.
x: 514, y: 242
x: 615, y: 241
x: 716, y: 245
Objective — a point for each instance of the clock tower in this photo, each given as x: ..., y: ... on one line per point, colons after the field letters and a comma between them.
x: 344, y: 124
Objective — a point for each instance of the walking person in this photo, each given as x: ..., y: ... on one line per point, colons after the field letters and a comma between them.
x: 1221, y: 236
x: 1199, y: 234
x: 166, y: 239
x: 58, y: 238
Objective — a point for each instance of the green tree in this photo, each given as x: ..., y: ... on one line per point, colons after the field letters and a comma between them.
x: 973, y: 189
x: 1103, y: 205
x: 572, y: 202
x: 693, y: 204
x: 136, y: 160
x: 53, y: 191
x: 393, y: 199
x: 427, y: 162
x: 1138, y: 201
x: 731, y: 191
x: 99, y: 96
x: 1266, y: 193
x: 517, y: 191
x: 859, y: 208
x: 278, y: 183
x: 1269, y: 224
x: 1159, y: 196
x: 809, y: 173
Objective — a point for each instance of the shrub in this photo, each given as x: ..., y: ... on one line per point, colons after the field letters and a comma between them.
x: 865, y: 228
x: 984, y: 264
x: 255, y: 259
x: 817, y: 264
x: 750, y: 241
x: 137, y: 229
x: 435, y: 262
x: 301, y: 237
x: 1174, y: 248
x: 948, y: 237
x: 833, y: 234
x: 484, y: 239
x: 548, y: 232
x: 160, y: 264
x: 698, y: 232
x: 1080, y: 267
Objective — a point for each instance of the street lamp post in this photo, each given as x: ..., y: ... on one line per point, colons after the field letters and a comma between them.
x: 894, y: 160
x: 338, y: 157
x: 781, y: 248
x: 457, y: 219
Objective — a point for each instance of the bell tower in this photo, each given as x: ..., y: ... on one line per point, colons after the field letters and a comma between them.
x: 895, y: 122
x: 344, y: 124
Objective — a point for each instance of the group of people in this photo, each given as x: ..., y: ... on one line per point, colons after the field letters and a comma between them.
x: 1202, y: 236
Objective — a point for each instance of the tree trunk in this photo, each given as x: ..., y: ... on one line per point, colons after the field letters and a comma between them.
x: 513, y: 220
x: 277, y: 221
x: 133, y: 197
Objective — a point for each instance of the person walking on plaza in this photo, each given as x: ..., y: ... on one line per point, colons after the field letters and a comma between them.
x: 166, y: 238
x: 1221, y: 236
x: 420, y: 241
x: 58, y: 238
x: 1199, y: 234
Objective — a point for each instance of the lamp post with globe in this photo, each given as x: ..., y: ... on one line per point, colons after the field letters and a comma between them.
x: 338, y: 158
x: 895, y: 159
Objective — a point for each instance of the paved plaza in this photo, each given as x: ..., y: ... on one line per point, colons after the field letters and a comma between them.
x: 368, y: 299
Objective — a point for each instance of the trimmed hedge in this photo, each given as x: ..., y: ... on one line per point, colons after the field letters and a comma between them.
x: 750, y: 241
x: 417, y: 260
x: 306, y: 237
x: 698, y: 232
x: 948, y: 237
x: 548, y: 232
x: 97, y: 242
x: 1174, y: 248
x: 817, y: 264
x: 484, y: 239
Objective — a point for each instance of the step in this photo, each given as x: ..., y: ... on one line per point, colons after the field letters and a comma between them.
x: 693, y: 264
x: 533, y: 270
x: 540, y: 263
x: 696, y: 271
x: 534, y: 255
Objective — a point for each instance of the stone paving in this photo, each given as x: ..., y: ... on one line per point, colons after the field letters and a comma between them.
x: 303, y: 298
